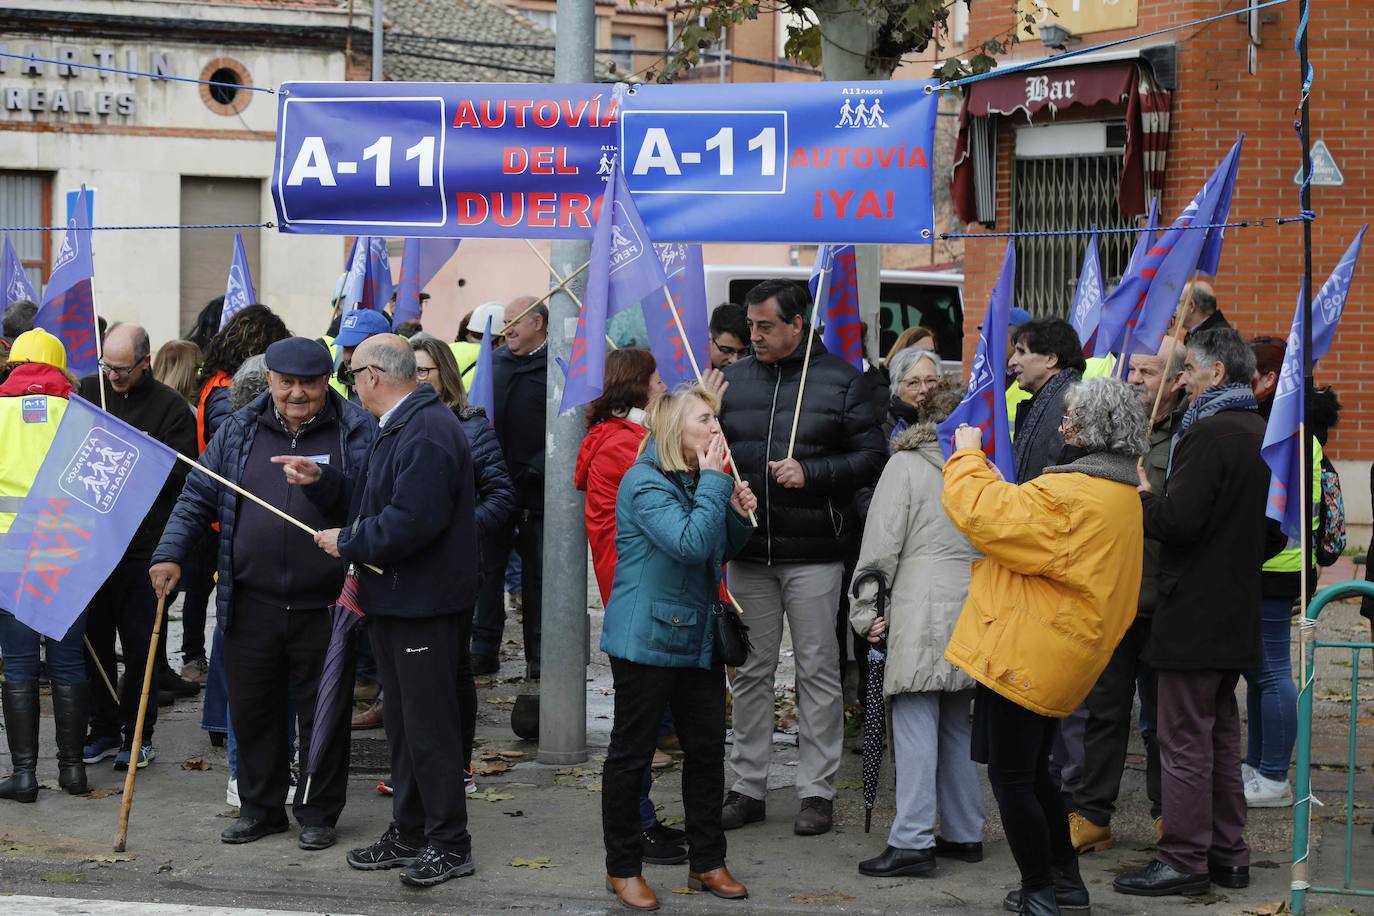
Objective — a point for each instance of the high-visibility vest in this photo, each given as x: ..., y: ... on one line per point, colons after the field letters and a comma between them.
x: 1289, y: 560
x: 28, y: 424
x: 1100, y: 366
x: 465, y: 352
x: 333, y: 349
x: 220, y: 379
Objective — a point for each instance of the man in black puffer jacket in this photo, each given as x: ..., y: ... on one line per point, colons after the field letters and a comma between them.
x: 275, y: 583
x: 794, y: 564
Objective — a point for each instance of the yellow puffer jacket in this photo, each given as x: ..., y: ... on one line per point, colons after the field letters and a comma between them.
x: 1058, y: 584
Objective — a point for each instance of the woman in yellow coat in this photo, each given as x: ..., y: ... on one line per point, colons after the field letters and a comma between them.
x: 1046, y: 607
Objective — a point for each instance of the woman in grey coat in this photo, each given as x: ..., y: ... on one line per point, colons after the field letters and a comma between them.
x: 911, y: 541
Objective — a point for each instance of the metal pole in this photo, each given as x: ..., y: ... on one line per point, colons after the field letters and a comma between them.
x: 565, y: 648
x: 1302, y: 811
x: 377, y: 41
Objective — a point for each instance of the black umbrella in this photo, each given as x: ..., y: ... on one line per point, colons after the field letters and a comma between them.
x: 875, y: 706
x: 344, y: 616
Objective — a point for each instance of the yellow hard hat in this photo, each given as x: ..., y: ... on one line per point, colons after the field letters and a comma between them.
x: 38, y: 346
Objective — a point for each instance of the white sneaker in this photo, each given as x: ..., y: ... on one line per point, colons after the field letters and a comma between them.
x: 1247, y: 773
x: 1268, y: 793
x: 231, y: 794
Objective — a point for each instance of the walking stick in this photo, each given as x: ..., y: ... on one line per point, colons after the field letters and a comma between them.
x: 128, y: 801
x: 696, y: 368
x: 821, y: 292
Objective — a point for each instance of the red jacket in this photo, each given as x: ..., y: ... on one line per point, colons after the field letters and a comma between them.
x: 36, y: 378
x: 607, y: 452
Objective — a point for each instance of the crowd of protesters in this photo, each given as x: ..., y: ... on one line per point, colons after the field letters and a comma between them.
x: 1021, y: 621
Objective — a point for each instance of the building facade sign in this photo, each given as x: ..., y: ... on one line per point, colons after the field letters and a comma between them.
x: 56, y: 88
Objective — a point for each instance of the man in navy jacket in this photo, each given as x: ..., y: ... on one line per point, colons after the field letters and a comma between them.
x: 410, y: 513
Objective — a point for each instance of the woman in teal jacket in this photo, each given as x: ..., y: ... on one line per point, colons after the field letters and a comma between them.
x: 679, y: 517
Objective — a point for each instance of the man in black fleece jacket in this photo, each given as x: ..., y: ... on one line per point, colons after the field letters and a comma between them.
x: 126, y: 603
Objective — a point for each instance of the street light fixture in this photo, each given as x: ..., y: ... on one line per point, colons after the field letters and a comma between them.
x: 1053, y: 35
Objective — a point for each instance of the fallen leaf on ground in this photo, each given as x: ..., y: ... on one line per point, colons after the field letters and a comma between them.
x: 511, y: 755
x: 108, y: 857
x: 534, y: 862
x: 491, y: 769
x: 672, y: 821
x: 103, y: 792
x: 832, y: 897
x: 62, y: 876
x: 502, y: 701
x: 684, y: 890
x: 1268, y: 909
x: 491, y: 795
x: 194, y: 763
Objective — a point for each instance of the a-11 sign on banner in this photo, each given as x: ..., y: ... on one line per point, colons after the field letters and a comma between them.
x: 793, y: 162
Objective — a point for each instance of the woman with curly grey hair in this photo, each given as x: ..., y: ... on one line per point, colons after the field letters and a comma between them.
x: 1046, y: 607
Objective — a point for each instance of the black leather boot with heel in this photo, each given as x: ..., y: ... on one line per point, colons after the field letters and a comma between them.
x: 70, y: 710
x: 19, y: 700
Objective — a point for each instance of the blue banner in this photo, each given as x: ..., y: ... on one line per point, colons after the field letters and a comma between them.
x: 14, y: 282
x: 239, y: 292
x: 785, y: 162
x: 96, y: 484
x: 68, y: 308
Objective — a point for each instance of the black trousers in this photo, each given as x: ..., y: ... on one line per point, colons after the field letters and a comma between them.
x: 1108, y: 730
x: 417, y: 664
x: 271, y: 654
x: 198, y: 582
x: 525, y: 534
x: 126, y: 605
x: 1017, y: 743
x: 697, y: 700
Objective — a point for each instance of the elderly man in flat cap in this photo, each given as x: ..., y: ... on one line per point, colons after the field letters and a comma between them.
x: 275, y: 586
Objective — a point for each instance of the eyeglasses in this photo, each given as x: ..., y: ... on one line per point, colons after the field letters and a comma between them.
x: 731, y: 351
x: 353, y: 372
x: 422, y: 372
x: 118, y: 371
x: 918, y: 384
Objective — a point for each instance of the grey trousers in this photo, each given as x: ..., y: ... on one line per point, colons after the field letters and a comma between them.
x: 809, y: 595
x: 930, y: 742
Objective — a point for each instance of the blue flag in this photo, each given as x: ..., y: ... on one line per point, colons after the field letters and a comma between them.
x: 1177, y: 254
x: 421, y: 260
x: 1209, y: 261
x: 14, y: 281
x: 985, y: 404
x: 68, y: 308
x: 843, y: 334
x: 623, y: 271
x: 1087, y: 300
x: 369, y: 275
x: 483, y: 391
x: 238, y: 291
x: 1120, y: 303
x: 98, y: 481
x: 1282, y: 447
x: 687, y: 284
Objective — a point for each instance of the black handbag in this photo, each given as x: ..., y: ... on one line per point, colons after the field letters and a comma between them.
x: 732, y: 636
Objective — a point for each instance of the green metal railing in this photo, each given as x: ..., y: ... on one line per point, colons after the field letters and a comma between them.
x: 1302, y: 810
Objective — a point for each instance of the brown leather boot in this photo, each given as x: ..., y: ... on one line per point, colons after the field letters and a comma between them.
x: 634, y: 893
x: 369, y: 718
x: 718, y: 881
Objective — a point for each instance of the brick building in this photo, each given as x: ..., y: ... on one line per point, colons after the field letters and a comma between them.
x: 1214, y: 81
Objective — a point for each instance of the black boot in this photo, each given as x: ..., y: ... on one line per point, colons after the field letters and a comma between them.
x: 70, y: 709
x: 1069, y: 892
x: 1040, y: 903
x: 20, y: 702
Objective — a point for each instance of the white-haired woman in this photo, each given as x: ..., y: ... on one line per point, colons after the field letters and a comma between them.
x: 913, y: 371
x: 1046, y: 607
x: 910, y: 540
x: 679, y: 517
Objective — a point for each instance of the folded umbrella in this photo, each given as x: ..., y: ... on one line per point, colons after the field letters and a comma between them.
x: 875, y: 704
x: 344, y: 616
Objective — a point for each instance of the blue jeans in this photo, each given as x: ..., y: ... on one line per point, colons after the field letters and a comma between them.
x: 65, y: 661
x: 214, y: 715
x: 1271, y: 696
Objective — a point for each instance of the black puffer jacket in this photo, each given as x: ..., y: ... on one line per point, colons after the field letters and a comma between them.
x: 519, y: 420
x: 495, y: 495
x: 839, y: 445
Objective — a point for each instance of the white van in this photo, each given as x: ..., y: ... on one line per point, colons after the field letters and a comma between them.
x: 908, y: 298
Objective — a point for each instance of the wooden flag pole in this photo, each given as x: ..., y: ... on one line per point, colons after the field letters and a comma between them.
x: 821, y: 292
x: 696, y: 369
x: 99, y: 667
x: 134, y: 755
x: 1178, y: 341
x: 224, y: 481
x: 564, y: 284
x: 544, y: 298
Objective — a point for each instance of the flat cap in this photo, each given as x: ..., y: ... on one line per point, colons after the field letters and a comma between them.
x: 299, y: 356
x: 360, y: 324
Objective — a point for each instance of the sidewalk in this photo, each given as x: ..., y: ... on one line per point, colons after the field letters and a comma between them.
x: 548, y: 818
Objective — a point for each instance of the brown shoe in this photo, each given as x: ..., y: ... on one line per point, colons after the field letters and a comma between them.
x: 670, y: 744
x: 634, y: 893
x: 369, y: 718
x: 363, y: 692
x: 718, y: 881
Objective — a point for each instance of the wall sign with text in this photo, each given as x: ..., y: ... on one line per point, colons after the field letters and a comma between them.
x: 794, y: 162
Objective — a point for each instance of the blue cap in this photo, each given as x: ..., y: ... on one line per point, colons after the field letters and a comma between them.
x: 360, y: 324
x: 1017, y: 316
x: 299, y: 356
